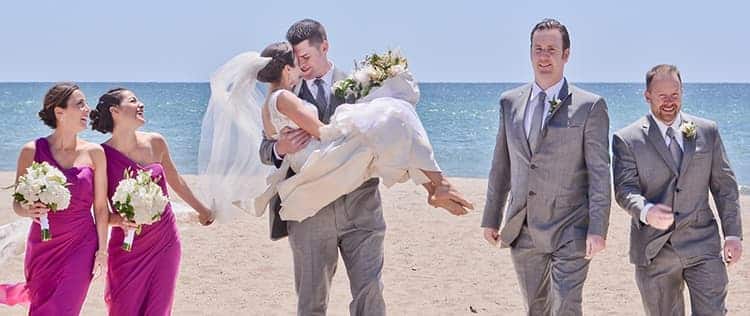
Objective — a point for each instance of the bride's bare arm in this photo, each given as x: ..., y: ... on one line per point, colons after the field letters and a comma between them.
x: 292, y: 106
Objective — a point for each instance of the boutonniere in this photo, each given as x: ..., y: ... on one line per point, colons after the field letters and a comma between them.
x: 553, y: 105
x: 688, y: 129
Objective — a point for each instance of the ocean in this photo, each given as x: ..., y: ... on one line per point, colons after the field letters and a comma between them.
x: 461, y: 118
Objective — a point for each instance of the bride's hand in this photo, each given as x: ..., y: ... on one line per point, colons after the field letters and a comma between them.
x: 445, y: 196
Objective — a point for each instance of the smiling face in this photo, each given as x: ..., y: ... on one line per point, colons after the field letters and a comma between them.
x: 548, y: 58
x: 664, y: 95
x: 75, y: 114
x: 312, y: 59
x: 290, y: 77
x: 130, y: 111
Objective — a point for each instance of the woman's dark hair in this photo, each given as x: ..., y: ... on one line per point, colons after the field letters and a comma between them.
x: 281, y: 55
x: 56, y: 97
x: 101, y: 117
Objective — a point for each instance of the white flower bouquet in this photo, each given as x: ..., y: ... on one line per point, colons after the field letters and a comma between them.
x: 138, y: 199
x: 46, y: 184
x: 370, y: 74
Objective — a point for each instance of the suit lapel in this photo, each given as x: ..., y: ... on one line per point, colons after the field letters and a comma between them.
x: 689, y: 144
x: 654, y: 137
x: 334, y: 100
x: 565, y: 100
x: 520, y: 105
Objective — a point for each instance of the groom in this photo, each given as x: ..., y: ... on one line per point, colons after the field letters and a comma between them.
x: 665, y: 164
x: 352, y: 225
x: 552, y: 156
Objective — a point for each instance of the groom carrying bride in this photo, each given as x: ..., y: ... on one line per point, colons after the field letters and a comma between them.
x: 353, y: 223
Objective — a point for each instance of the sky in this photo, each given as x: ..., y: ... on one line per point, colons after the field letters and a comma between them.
x: 455, y: 41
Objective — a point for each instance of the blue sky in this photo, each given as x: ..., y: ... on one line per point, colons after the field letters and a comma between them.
x: 459, y: 41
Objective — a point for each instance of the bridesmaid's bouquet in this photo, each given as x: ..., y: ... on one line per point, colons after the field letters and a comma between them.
x: 46, y: 184
x: 138, y: 199
x: 371, y: 73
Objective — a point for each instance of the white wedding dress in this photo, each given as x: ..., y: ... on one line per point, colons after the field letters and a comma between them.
x: 380, y: 136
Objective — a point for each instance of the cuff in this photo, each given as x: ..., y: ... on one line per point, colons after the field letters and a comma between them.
x: 732, y: 238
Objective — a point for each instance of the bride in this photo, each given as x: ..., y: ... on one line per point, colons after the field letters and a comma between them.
x: 379, y: 136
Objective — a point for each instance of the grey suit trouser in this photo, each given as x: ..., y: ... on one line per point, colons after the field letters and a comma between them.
x: 316, y: 243
x: 662, y: 282
x: 551, y: 283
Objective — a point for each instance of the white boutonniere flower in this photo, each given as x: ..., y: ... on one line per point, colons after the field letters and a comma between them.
x: 554, y: 104
x: 688, y: 129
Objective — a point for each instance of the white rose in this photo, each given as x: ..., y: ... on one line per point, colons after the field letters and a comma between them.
x: 396, y: 70
x: 362, y: 76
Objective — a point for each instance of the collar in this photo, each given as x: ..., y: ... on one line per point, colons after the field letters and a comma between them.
x: 663, y: 126
x: 327, y: 77
x: 552, y: 92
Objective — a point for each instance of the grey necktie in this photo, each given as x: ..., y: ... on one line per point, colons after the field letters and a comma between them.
x: 536, y: 121
x: 674, y: 147
x: 320, y: 97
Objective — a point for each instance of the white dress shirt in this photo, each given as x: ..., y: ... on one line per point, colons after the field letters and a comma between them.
x: 552, y: 93
x: 327, y: 83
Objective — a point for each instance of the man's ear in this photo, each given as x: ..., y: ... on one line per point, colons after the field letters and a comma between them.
x: 324, y: 47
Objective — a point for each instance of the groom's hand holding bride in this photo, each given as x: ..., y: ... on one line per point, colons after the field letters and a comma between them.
x: 291, y: 141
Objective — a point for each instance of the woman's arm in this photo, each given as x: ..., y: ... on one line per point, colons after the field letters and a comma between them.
x: 292, y: 106
x: 101, y: 206
x: 175, y: 180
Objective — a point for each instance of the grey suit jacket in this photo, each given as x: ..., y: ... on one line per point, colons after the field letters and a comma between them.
x: 644, y: 172
x: 563, y: 190
x: 277, y: 226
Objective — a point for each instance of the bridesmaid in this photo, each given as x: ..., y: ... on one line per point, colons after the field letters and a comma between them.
x: 142, y: 281
x: 59, y: 271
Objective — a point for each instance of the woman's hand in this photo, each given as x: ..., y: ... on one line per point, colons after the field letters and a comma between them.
x: 36, y: 210
x: 206, y: 217
x: 443, y: 195
x: 117, y: 220
x: 100, y: 261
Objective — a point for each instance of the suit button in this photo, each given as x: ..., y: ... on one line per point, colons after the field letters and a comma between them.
x: 677, y: 190
x: 533, y: 166
x: 532, y: 193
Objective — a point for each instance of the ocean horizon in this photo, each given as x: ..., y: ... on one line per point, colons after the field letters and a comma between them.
x: 461, y: 118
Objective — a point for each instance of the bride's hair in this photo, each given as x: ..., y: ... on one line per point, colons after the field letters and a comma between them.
x: 101, y: 117
x: 281, y: 55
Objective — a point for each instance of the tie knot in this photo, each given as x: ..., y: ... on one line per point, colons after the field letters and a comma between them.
x: 318, y: 82
x: 670, y: 132
x: 542, y: 95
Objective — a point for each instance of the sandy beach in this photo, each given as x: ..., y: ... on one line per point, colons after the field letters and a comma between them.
x: 435, y: 264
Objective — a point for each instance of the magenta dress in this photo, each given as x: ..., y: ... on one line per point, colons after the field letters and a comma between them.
x: 142, y: 281
x: 58, y: 271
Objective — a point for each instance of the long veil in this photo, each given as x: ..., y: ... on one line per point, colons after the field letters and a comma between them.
x: 229, y: 167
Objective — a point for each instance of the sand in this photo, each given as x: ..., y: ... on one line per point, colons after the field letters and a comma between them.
x: 435, y: 264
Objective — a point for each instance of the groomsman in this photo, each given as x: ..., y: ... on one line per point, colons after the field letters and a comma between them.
x: 665, y: 164
x: 552, y: 156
